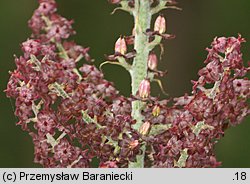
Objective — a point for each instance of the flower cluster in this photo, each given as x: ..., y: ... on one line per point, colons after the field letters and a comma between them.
x: 194, y: 122
x: 74, y: 115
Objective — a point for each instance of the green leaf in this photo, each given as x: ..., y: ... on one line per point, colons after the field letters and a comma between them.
x: 201, y: 126
x: 183, y: 158
x: 158, y: 129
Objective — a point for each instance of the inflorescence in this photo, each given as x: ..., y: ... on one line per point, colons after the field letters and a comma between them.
x: 74, y: 115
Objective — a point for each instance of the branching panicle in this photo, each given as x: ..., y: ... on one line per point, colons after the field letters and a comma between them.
x: 74, y: 115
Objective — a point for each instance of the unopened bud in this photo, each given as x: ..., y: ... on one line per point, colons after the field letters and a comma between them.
x: 144, y: 88
x: 133, y: 144
x: 156, y: 110
x: 121, y: 46
x: 152, y: 61
x: 114, y: 1
x: 144, y: 129
x: 160, y: 24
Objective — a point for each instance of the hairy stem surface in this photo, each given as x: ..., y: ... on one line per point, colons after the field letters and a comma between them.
x: 142, y: 18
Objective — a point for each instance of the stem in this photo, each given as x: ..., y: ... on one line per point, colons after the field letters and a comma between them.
x: 138, y: 72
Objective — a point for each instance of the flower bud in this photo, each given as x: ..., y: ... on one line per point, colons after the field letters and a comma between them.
x: 144, y: 88
x: 144, y: 129
x: 114, y: 1
x: 160, y: 24
x: 133, y: 144
x: 152, y: 61
x: 156, y: 110
x: 120, y: 46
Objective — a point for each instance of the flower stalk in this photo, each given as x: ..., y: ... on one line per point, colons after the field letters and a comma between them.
x: 142, y: 19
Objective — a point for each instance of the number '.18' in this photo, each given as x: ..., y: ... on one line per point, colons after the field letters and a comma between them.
x: 241, y: 175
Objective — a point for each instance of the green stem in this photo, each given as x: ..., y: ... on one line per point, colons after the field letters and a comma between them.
x: 142, y: 18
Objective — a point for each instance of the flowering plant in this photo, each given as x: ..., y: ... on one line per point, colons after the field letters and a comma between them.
x: 74, y: 115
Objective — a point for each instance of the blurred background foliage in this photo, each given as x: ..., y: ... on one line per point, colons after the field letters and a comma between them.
x: 195, y: 27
